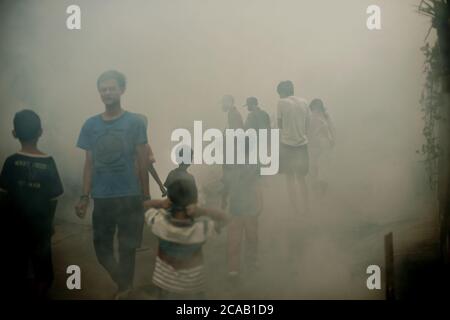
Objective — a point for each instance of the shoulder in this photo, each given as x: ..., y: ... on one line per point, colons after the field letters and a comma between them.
x: 152, y: 215
x: 91, y: 121
x: 264, y: 113
x: 137, y: 118
x: 11, y: 157
x: 234, y: 113
x: 51, y: 160
x: 10, y: 160
x: 301, y: 101
x: 284, y: 102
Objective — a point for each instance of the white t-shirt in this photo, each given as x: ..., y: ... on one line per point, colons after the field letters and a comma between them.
x: 295, y: 117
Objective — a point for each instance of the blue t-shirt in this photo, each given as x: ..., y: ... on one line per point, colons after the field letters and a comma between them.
x: 113, y: 146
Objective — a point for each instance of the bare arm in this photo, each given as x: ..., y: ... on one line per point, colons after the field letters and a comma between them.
x: 157, y: 204
x: 216, y: 215
x: 87, y: 173
x: 279, y: 122
x: 83, y: 204
x: 152, y: 170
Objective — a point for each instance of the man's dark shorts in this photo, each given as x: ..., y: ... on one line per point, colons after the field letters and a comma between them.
x: 294, y: 160
x: 126, y: 214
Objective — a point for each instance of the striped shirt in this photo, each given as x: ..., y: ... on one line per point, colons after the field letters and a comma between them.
x: 179, y: 264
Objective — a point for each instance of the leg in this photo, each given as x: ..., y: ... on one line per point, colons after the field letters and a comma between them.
x: 301, y: 173
x: 104, y: 226
x: 163, y: 294
x: 287, y: 165
x: 130, y: 225
x: 41, y: 259
x: 251, y: 241
x: 303, y: 196
x: 127, y: 260
x: 291, y: 191
x: 314, y: 170
x: 235, y: 229
x: 17, y: 267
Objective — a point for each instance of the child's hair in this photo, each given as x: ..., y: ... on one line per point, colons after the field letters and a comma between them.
x: 181, y: 193
x: 317, y: 104
x: 27, y: 125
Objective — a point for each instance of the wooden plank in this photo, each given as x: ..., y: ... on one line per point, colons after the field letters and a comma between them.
x: 389, y: 261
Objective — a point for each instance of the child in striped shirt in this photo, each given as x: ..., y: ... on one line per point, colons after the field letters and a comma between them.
x: 182, y: 229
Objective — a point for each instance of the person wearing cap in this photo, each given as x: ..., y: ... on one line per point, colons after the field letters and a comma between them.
x: 257, y: 118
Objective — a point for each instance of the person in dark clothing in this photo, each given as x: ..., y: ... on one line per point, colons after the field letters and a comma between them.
x: 29, y: 188
x: 257, y: 118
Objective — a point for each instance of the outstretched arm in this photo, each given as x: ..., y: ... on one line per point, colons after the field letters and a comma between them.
x: 216, y: 215
x: 152, y: 170
x: 157, y: 204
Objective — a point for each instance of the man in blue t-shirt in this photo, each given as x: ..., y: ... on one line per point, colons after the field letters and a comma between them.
x: 115, y: 176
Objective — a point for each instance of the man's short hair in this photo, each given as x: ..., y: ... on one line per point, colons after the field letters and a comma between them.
x: 228, y: 97
x: 317, y: 104
x: 182, y: 192
x: 113, y: 74
x: 251, y: 101
x: 27, y: 125
x: 285, y: 88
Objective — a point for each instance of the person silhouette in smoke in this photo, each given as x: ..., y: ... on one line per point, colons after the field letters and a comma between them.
x: 293, y: 117
x: 115, y: 141
x: 234, y: 121
x: 321, y: 141
x: 29, y: 188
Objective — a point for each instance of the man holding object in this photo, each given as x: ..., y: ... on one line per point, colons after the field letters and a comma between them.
x: 114, y: 142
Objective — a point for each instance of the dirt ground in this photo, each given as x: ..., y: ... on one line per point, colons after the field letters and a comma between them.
x: 321, y: 256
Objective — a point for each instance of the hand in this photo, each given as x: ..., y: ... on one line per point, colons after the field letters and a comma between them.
x: 165, y: 204
x: 81, y: 207
x: 163, y: 191
x: 157, y: 203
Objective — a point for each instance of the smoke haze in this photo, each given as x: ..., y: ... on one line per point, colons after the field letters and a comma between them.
x: 181, y: 57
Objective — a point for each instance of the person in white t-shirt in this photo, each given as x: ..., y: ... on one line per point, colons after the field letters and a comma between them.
x: 293, y: 117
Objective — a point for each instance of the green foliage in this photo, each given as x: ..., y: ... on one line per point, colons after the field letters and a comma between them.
x: 432, y: 99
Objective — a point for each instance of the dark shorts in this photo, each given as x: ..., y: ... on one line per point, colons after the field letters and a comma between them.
x: 126, y: 214
x: 294, y: 160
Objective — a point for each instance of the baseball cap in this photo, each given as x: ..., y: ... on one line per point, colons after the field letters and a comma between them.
x: 252, y: 101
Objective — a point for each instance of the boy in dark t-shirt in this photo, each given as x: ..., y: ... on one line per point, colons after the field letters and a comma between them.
x: 29, y: 186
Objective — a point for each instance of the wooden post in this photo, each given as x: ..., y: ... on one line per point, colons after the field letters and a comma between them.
x: 389, y: 261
